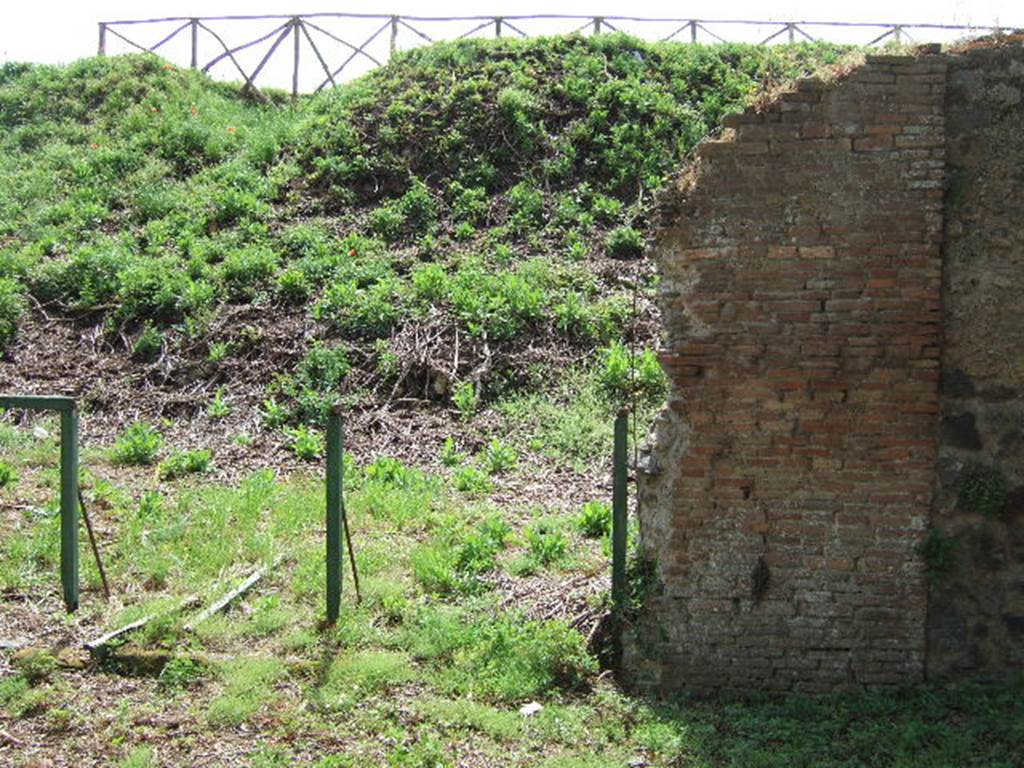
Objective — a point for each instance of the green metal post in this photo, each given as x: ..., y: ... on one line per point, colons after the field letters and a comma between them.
x: 619, y: 521
x: 68, y: 482
x: 69, y: 507
x: 335, y: 512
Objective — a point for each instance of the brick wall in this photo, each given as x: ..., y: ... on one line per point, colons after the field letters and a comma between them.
x: 791, y: 479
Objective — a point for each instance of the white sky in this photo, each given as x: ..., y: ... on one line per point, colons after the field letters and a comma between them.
x: 51, y: 31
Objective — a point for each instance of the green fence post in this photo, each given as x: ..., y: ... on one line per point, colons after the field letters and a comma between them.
x: 335, y: 511
x: 619, y: 521
x: 69, y: 506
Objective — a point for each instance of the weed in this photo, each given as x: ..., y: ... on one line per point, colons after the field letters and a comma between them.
x: 219, y: 407
x: 249, y: 683
x: 499, y: 724
x: 624, y: 243
x: 138, y: 445
x: 293, y: 286
x: 181, y: 673
x: 624, y: 375
x: 982, y: 489
x: 472, y: 481
x: 451, y: 456
x: 356, y: 676
x: 594, y: 520
x: 466, y: 399
x: 307, y: 443
x: 511, y: 659
x: 149, y: 344
x: 500, y: 457
x: 36, y: 666
x: 274, y: 414
x: 8, y: 476
x: 140, y: 757
x: 547, y: 544
x: 185, y: 463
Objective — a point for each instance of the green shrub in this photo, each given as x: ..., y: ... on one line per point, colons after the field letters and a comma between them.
x: 293, y: 286
x: 370, y: 311
x: 594, y: 520
x: 245, y: 272
x: 274, y: 414
x: 392, y: 473
x: 313, y: 390
x: 12, y: 307
x: 36, y: 665
x: 412, y: 213
x: 185, y: 463
x: 624, y: 243
x: 469, y: 204
x: 388, y: 222
x: 526, y: 207
x: 356, y: 675
x: 138, y: 445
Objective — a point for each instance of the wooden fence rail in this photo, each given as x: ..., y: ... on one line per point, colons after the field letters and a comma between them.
x: 308, y: 32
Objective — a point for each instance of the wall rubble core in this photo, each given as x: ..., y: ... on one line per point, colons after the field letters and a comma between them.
x: 793, y: 476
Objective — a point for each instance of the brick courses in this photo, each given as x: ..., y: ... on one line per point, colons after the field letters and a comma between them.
x: 792, y: 477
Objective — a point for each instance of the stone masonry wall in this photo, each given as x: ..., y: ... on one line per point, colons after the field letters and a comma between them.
x: 791, y: 480
x: 976, y: 606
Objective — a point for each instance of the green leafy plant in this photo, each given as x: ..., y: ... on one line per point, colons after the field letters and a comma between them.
x: 8, y: 475
x: 472, y: 481
x: 149, y: 344
x: 451, y: 456
x: 500, y: 457
x: 219, y: 407
x: 466, y: 399
x: 594, y: 520
x: 623, y: 375
x: 547, y: 544
x: 274, y: 414
x: 12, y: 307
x: 307, y: 443
x: 624, y: 243
x: 138, y: 445
x: 185, y: 463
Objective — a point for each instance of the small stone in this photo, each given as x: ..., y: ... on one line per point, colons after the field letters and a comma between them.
x: 39, y: 433
x: 531, y: 709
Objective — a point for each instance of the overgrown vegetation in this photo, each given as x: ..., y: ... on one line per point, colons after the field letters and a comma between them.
x: 154, y: 200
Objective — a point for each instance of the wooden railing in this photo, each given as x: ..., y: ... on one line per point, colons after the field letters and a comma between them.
x: 366, y: 40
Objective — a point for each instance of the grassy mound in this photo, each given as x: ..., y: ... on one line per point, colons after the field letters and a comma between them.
x: 460, y: 224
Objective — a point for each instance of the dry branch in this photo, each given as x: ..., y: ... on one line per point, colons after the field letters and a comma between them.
x: 230, y: 597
